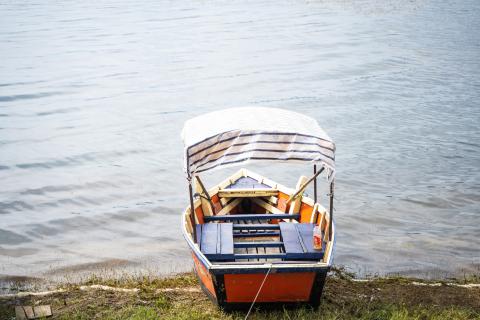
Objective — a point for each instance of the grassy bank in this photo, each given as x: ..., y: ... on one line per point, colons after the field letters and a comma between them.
x: 180, y: 297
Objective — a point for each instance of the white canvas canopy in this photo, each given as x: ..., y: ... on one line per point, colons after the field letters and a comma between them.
x: 238, y: 135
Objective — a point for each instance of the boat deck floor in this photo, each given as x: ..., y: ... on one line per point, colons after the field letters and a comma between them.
x: 255, y: 240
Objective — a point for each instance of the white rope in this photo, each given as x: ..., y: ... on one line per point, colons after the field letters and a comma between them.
x: 258, y: 292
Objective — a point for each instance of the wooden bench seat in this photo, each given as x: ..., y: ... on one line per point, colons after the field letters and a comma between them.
x: 216, y: 241
x: 298, y: 241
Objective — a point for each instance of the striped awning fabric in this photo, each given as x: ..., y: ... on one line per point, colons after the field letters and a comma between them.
x: 234, y: 136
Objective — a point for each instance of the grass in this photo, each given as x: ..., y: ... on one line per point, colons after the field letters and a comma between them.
x: 179, y: 297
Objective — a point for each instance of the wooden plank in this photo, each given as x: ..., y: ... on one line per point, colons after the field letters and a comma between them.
x: 253, y: 175
x: 217, y: 206
x: 321, y: 220
x: 325, y: 228
x: 24, y: 312
x: 301, y: 187
x: 225, y: 183
x: 267, y: 206
x: 256, y: 234
x: 262, y: 226
x: 205, y: 203
x: 188, y: 223
x: 226, y: 209
x: 251, y: 217
x: 306, y: 232
x: 42, y: 311
x: 29, y: 312
x: 327, y: 251
x: 260, y: 256
x: 216, y: 240
x: 209, y: 238
x: 290, y: 240
x: 246, y: 193
x: 226, y: 238
x: 237, y: 175
x: 297, y: 202
x: 270, y: 183
x: 313, y: 215
x: 252, y: 244
x: 298, y: 241
x: 272, y: 200
x: 224, y: 201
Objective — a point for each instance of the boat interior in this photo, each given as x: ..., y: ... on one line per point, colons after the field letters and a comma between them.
x: 248, y: 218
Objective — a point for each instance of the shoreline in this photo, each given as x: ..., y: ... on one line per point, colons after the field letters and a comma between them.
x: 120, y: 269
x: 179, y: 296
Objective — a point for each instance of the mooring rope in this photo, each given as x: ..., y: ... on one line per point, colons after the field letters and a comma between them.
x: 258, y: 292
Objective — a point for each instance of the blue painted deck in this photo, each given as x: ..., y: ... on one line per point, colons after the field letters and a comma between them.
x: 298, y: 241
x: 216, y: 240
x: 295, y: 241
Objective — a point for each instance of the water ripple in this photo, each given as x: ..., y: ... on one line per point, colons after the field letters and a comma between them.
x: 90, y: 150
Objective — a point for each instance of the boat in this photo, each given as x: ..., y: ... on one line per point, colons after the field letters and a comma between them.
x: 251, y: 238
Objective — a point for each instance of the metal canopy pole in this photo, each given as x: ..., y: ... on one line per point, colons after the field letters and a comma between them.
x: 192, y: 211
x: 315, y: 183
x: 331, y: 211
x: 190, y: 191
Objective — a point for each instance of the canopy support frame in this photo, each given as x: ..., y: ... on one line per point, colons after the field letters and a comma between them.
x: 192, y: 207
x: 332, y: 184
x: 192, y: 212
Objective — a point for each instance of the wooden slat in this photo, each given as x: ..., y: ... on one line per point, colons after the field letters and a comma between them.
x: 246, y: 193
x: 251, y: 244
x: 290, y: 239
x: 224, y: 201
x: 298, y: 241
x: 226, y: 209
x: 195, y: 217
x: 325, y: 228
x: 29, y: 312
x: 267, y: 206
x: 297, y: 202
x: 251, y: 216
x: 188, y: 223
x: 321, y: 220
x: 327, y: 250
x: 226, y: 238
x: 301, y: 187
x: 272, y: 200
x: 262, y: 226
x: 313, y: 215
x: 260, y: 256
x: 209, y: 238
x: 306, y: 233
x: 216, y: 240
x: 256, y: 234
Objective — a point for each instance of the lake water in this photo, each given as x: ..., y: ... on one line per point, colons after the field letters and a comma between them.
x: 93, y: 96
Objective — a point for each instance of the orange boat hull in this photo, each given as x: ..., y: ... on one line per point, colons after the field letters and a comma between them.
x: 234, y: 290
